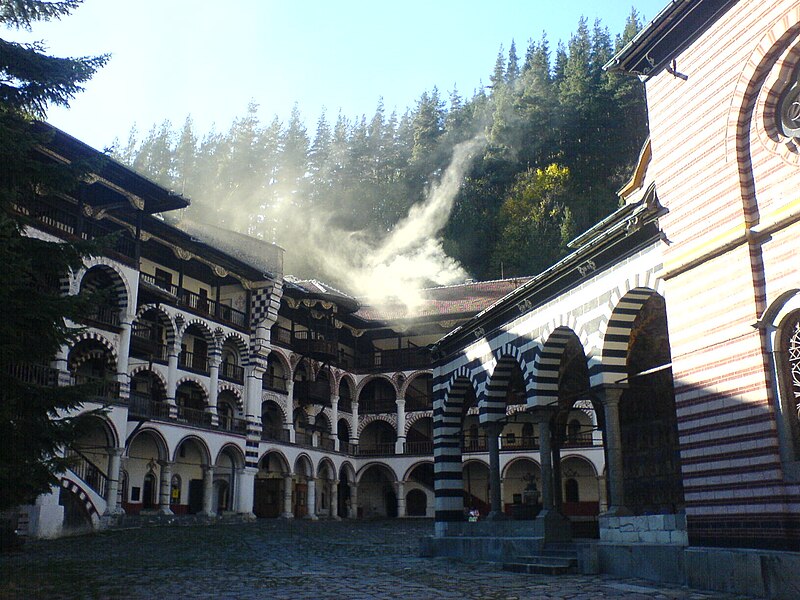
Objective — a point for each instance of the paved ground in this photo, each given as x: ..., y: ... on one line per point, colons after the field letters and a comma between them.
x: 279, y: 559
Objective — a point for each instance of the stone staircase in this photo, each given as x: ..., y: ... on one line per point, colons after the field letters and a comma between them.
x: 552, y: 559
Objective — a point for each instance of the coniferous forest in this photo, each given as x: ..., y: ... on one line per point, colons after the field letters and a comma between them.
x: 559, y: 136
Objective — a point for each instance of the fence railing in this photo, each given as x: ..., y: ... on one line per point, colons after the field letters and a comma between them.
x: 231, y: 372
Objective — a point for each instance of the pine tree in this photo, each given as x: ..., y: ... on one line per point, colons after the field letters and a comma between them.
x: 33, y: 425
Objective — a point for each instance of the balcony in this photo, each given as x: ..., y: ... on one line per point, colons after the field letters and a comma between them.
x: 70, y: 224
x: 303, y: 439
x: 146, y: 343
x: 201, y: 305
x: 100, y: 389
x: 143, y: 405
x: 419, y: 447
x: 103, y: 317
x: 273, y: 434
x: 275, y: 383
x: 194, y: 416
x: 231, y: 372
x: 376, y: 449
x: 327, y: 443
x: 193, y: 362
x: 345, y: 405
x: 309, y: 343
x: 416, y: 400
x: 515, y: 442
x: 371, y: 406
x: 312, y: 392
x: 233, y: 424
x: 401, y: 359
x: 473, y: 444
x: 35, y: 374
x: 580, y: 440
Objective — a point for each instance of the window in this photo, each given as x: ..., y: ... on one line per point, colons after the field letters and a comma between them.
x: 789, y: 352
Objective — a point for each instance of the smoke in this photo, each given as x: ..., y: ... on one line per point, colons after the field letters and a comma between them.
x: 387, y: 271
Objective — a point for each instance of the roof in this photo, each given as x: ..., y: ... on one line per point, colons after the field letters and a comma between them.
x: 446, y: 302
x: 113, y: 183
x: 668, y: 34
x: 313, y: 288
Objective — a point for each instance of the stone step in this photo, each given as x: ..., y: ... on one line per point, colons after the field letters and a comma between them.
x: 542, y: 567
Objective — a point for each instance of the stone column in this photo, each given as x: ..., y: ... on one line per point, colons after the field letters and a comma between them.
x: 288, y: 512
x: 312, y: 499
x: 245, y: 484
x: 557, y: 485
x: 354, y: 423
x: 172, y: 380
x: 123, y: 352
x: 613, y: 442
x: 112, y: 493
x: 165, y: 484
x: 289, y: 424
x: 546, y: 459
x: 213, y: 387
x: 353, y: 501
x: 401, y: 499
x: 400, y: 444
x: 208, y: 491
x: 334, y: 503
x: 493, y: 430
x: 335, y: 421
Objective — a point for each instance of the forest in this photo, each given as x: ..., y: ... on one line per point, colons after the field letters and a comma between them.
x: 553, y: 137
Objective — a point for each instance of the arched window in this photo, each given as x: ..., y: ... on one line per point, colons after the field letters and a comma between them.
x: 571, y: 493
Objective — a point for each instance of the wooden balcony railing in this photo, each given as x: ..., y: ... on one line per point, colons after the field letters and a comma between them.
x: 376, y: 449
x: 193, y: 362
x: 371, y: 406
x: 345, y: 405
x: 202, y: 305
x: 419, y: 447
x: 143, y: 405
x: 194, y: 416
x: 274, y: 383
x: 231, y: 372
x: 303, y: 439
x: 346, y: 447
x: 233, y: 424
x: 102, y: 389
x: 312, y: 392
x: 472, y: 444
x: 516, y: 442
x: 327, y: 443
x: 104, y: 317
x: 274, y: 434
x: 35, y: 374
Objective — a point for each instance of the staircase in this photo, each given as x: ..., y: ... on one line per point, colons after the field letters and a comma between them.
x: 552, y: 559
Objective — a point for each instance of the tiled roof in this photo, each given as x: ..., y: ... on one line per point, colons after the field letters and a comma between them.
x: 464, y: 299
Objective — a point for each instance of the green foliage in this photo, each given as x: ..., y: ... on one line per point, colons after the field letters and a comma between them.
x: 33, y: 421
x: 555, y: 107
x: 534, y: 222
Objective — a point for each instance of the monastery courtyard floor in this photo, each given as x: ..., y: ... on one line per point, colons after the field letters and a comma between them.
x: 285, y: 559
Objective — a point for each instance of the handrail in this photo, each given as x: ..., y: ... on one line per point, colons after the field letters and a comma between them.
x: 87, y: 471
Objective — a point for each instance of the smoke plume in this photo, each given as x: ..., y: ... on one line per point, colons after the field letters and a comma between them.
x: 387, y: 271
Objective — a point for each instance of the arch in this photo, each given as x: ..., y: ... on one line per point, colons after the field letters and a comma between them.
x: 347, y: 472
x: 562, y: 344
x: 347, y: 379
x: 326, y: 464
x: 205, y: 453
x: 411, y: 378
x: 303, y: 466
x: 93, y: 337
x: 369, y: 419
x: 617, y: 334
x: 164, y: 318
x: 238, y: 342
x: 146, y: 369
x: 369, y: 379
x: 417, y: 416
x: 192, y: 380
x: 377, y: 465
x: 280, y: 457
x: 234, y: 390
x: 158, y: 438
x: 414, y: 466
x: 519, y: 459
x: 234, y: 451
x: 581, y: 459
x: 108, y: 428
x: 121, y: 286
x: 493, y: 406
x: 203, y: 327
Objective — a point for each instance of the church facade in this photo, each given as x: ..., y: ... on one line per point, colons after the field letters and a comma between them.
x: 676, y: 318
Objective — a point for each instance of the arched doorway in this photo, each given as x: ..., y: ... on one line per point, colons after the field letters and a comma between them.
x: 376, y: 492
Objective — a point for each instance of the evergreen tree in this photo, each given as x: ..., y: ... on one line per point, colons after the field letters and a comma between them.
x: 33, y: 421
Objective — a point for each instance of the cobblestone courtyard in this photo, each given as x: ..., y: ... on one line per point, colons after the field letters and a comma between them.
x: 280, y: 559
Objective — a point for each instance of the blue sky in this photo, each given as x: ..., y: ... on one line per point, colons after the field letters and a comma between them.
x: 171, y: 58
